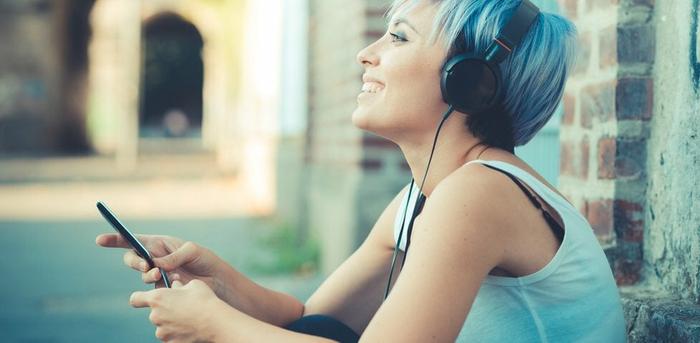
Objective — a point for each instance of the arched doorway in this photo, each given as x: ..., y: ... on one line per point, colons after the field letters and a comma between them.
x: 172, y: 80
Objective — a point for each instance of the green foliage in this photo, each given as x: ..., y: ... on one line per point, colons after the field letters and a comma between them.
x: 289, y: 253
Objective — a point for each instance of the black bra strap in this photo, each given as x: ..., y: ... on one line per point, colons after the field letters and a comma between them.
x: 553, y: 224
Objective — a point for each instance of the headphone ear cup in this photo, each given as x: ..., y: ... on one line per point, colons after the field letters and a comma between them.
x: 470, y: 84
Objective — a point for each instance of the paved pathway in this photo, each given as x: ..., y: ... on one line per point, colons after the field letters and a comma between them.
x: 58, y: 286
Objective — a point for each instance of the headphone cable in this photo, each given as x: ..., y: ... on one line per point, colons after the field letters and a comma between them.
x: 408, y: 201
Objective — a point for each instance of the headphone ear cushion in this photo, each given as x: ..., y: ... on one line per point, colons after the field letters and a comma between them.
x: 470, y: 84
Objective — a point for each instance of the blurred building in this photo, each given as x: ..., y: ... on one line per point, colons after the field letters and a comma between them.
x: 128, y: 78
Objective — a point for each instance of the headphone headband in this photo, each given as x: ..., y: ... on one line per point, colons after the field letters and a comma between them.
x: 471, y: 82
x: 512, y: 33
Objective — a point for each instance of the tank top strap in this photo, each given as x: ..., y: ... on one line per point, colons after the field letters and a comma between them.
x: 544, y: 192
x: 405, y: 218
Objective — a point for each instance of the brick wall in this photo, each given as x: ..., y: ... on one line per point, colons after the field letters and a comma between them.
x: 608, y: 104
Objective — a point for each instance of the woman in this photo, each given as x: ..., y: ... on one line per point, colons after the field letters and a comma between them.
x: 496, y: 253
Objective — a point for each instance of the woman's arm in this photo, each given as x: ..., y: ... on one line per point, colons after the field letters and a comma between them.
x: 351, y: 294
x: 355, y: 290
x: 234, y: 326
x: 240, y: 292
x: 459, y: 237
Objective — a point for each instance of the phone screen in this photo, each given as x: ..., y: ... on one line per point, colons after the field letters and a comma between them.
x: 129, y: 237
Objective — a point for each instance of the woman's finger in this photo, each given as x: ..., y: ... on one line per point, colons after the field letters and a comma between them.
x: 134, y: 261
x: 115, y: 240
x: 111, y: 240
x: 140, y: 299
x: 186, y: 253
x: 151, y: 276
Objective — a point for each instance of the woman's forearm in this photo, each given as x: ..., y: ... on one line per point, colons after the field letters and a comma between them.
x: 264, y: 304
x: 232, y: 325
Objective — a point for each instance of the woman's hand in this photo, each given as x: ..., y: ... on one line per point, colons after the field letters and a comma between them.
x: 183, y: 261
x: 186, y: 262
x: 189, y: 313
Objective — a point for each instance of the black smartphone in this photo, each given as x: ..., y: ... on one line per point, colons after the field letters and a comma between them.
x: 133, y: 241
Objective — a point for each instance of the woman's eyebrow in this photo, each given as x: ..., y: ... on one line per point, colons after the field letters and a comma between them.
x: 398, y: 21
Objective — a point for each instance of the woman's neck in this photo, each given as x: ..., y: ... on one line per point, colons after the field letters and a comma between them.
x: 455, y: 146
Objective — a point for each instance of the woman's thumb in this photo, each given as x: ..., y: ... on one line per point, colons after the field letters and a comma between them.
x: 182, y: 255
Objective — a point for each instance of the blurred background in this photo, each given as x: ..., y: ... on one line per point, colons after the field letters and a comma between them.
x: 227, y: 122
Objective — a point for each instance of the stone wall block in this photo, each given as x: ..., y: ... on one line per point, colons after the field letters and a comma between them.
x: 635, y: 44
x: 630, y: 159
x: 627, y: 264
x: 634, y: 98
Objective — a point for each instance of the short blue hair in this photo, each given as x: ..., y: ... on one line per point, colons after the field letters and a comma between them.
x: 534, y: 75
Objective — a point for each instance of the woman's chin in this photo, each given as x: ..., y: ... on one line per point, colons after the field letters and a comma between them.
x: 360, y: 119
x: 369, y: 122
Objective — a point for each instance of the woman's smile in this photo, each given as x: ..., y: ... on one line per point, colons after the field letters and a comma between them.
x: 370, y: 86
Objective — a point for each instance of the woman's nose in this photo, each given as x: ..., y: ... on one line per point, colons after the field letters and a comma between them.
x: 367, y: 57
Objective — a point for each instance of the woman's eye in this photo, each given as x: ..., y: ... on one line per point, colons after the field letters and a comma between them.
x: 396, y: 38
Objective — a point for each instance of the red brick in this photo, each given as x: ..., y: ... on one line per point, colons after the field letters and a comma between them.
x: 627, y: 271
x: 606, y: 158
x: 569, y: 109
x: 600, y: 216
x: 634, y: 98
x: 583, y: 160
x: 600, y: 4
x: 373, y: 35
x: 569, y: 8
x: 375, y: 12
x: 584, y: 53
x: 374, y: 141
x: 608, y: 46
x: 629, y: 220
x: 566, y: 159
x: 573, y: 160
x: 597, y: 101
x: 371, y: 164
x: 583, y: 208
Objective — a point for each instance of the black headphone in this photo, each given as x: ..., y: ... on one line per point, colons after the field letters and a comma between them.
x: 470, y: 83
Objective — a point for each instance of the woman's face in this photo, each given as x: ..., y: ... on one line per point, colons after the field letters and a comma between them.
x: 401, y: 85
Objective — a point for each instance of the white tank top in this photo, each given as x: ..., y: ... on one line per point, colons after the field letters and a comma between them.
x: 573, y: 298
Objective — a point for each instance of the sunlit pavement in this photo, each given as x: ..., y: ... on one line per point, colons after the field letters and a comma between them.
x: 58, y: 286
